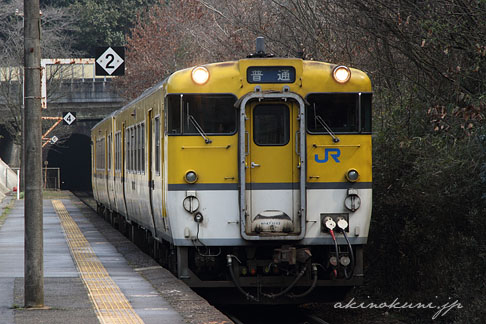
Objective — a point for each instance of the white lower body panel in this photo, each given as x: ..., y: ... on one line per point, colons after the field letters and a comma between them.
x: 221, y: 223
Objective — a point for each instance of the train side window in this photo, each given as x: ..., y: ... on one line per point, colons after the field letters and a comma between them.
x: 366, y: 99
x: 97, y: 159
x: 103, y: 160
x: 100, y: 148
x: 142, y: 139
x: 130, y: 144
x: 127, y: 149
x: 174, y: 115
x: 139, y: 148
x: 157, y: 145
x: 338, y: 110
x: 119, y: 151
x: 109, y: 148
x: 132, y: 135
x: 134, y: 149
x: 135, y: 146
x: 103, y: 153
x: 115, y: 154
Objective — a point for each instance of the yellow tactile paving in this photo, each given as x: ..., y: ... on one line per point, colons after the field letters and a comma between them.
x: 110, y: 303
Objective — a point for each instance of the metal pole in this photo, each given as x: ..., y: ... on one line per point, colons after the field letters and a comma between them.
x: 34, y: 270
x: 18, y: 184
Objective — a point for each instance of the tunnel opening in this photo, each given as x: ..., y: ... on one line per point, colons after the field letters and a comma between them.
x: 73, y: 157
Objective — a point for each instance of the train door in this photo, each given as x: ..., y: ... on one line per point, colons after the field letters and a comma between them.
x: 124, y: 149
x: 151, y: 165
x: 94, y: 166
x: 110, y: 172
x: 272, y: 177
x: 106, y: 169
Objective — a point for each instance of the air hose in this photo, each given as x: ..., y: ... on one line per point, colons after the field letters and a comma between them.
x: 286, y: 290
x: 342, y: 225
x: 229, y: 259
x: 337, y: 250
x: 351, y: 254
x: 311, y: 288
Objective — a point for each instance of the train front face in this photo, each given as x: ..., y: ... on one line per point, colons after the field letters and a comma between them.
x: 270, y: 175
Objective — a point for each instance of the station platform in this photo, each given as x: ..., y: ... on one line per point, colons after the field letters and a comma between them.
x: 92, y: 273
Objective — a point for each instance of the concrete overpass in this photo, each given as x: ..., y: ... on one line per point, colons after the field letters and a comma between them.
x: 76, y: 89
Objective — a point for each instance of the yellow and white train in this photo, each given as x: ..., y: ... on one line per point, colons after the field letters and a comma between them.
x: 253, y: 174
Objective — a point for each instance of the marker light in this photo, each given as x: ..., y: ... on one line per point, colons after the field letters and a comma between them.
x: 200, y: 75
x: 352, y: 175
x: 244, y: 271
x: 341, y: 74
x: 190, y: 176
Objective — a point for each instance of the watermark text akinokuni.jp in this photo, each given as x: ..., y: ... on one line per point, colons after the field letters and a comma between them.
x: 441, y: 310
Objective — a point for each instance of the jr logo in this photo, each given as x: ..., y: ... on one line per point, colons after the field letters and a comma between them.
x: 333, y: 152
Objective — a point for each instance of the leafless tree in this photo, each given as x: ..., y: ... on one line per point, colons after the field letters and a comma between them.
x: 55, y: 42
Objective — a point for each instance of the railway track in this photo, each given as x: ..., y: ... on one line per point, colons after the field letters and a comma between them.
x: 313, y: 319
x: 270, y: 315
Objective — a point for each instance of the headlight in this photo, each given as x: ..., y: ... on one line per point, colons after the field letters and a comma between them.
x: 341, y: 74
x: 190, y: 176
x: 352, y: 175
x: 200, y: 75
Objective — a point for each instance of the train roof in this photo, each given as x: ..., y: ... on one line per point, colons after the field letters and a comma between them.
x: 231, y: 77
x: 144, y: 94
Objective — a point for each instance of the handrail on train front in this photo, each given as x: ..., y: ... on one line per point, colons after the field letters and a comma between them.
x: 259, y: 94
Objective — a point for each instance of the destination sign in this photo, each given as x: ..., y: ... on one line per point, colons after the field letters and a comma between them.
x: 270, y: 74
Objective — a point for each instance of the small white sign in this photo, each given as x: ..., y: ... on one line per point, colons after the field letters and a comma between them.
x: 110, y: 61
x: 69, y: 118
x: 54, y: 139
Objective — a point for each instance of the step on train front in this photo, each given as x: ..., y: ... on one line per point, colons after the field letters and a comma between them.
x: 252, y: 175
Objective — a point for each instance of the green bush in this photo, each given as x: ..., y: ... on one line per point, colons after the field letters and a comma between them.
x: 429, y: 217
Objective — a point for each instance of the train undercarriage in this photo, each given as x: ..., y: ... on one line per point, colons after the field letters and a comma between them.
x: 269, y: 273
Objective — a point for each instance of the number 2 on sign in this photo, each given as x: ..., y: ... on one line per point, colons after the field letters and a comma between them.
x: 111, y: 58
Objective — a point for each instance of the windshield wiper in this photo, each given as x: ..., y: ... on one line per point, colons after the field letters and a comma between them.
x: 199, y: 129
x: 321, y: 121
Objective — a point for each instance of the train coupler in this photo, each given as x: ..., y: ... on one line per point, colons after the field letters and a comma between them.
x: 291, y: 255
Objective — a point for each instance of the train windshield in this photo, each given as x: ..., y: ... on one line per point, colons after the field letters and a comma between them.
x: 340, y: 111
x: 194, y: 114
